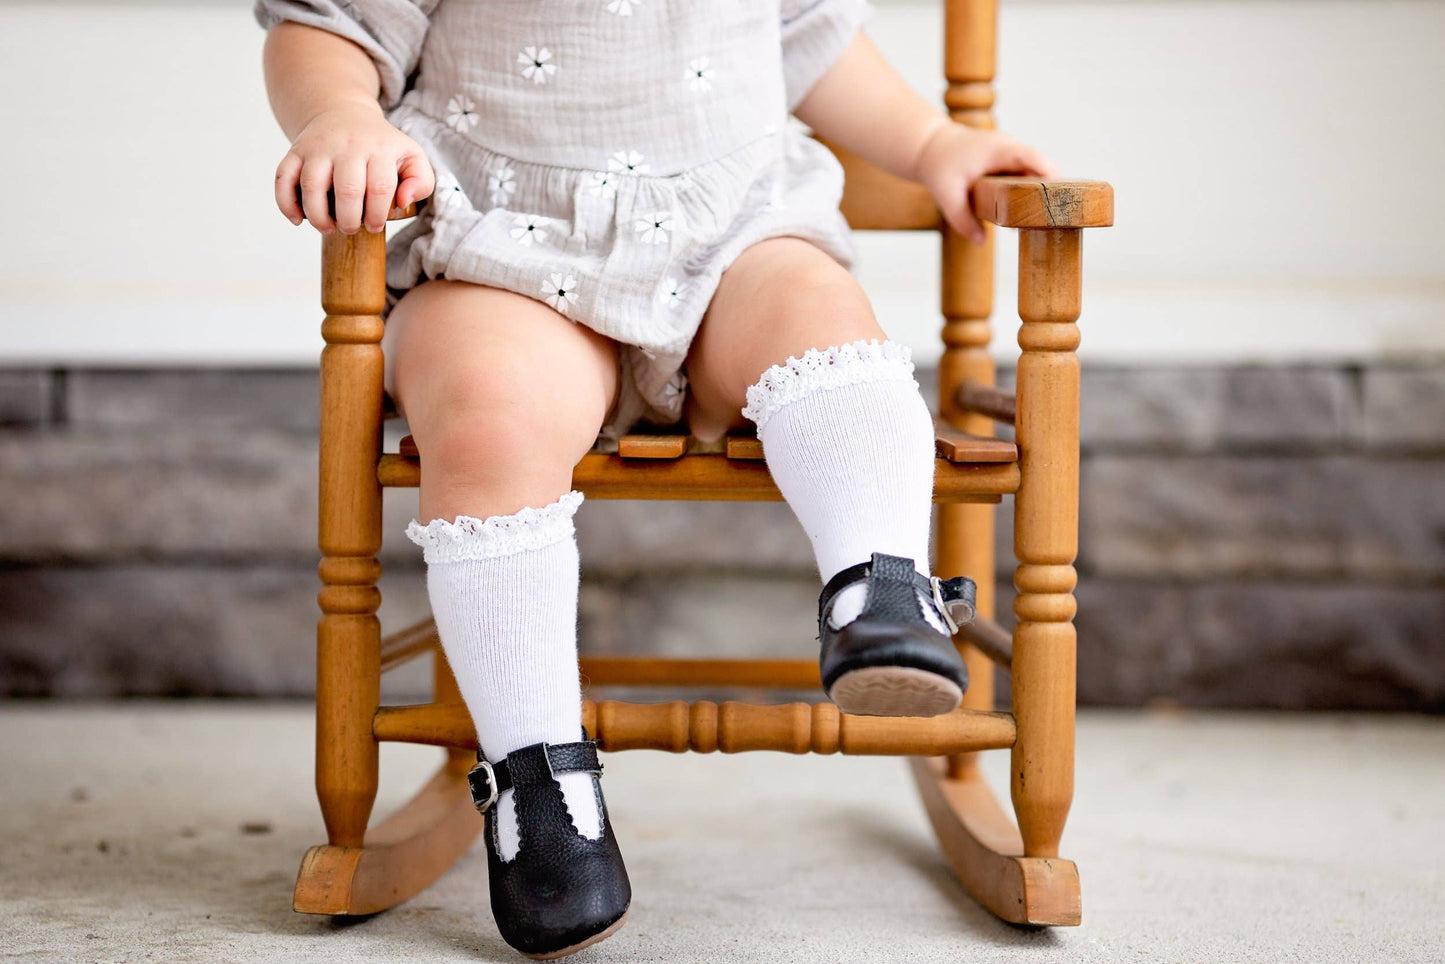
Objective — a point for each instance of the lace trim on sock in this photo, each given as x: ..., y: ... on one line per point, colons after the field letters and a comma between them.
x: 833, y: 367
x: 498, y: 535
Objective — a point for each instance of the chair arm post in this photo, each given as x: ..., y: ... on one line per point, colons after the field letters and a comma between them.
x: 1046, y: 534
x: 348, y: 636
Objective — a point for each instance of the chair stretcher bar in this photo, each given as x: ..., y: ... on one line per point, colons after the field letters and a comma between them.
x: 730, y: 727
x: 978, y: 398
x: 991, y: 639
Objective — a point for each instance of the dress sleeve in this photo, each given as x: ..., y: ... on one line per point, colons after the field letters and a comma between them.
x: 391, y: 31
x: 815, y: 34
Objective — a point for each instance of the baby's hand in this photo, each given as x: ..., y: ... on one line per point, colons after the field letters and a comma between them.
x: 354, y: 148
x: 957, y: 155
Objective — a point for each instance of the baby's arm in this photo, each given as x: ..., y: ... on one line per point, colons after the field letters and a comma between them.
x: 324, y: 92
x: 862, y: 104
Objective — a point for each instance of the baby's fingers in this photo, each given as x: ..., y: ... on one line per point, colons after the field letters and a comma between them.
x: 1016, y: 157
x: 349, y: 178
x: 960, y: 218
x: 288, y: 173
x: 418, y: 180
x: 315, y: 180
x: 380, y: 190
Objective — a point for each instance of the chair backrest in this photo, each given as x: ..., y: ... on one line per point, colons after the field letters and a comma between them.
x: 874, y: 200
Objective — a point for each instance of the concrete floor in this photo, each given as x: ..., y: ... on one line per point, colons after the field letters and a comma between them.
x: 172, y: 831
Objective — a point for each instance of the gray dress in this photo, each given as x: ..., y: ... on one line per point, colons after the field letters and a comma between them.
x: 608, y: 157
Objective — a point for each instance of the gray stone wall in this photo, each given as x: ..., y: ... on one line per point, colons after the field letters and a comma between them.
x: 1270, y: 537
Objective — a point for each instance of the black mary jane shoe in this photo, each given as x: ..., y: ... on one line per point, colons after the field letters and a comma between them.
x: 891, y: 661
x: 562, y: 891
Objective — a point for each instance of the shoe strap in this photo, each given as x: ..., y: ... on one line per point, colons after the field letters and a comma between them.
x: 955, y: 597
x: 533, y: 765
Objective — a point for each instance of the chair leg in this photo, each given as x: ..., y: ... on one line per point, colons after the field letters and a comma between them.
x: 1015, y: 871
x: 347, y: 694
x: 1046, y: 536
x: 359, y: 872
x: 348, y: 639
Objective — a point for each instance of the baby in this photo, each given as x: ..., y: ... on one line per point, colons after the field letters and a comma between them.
x: 623, y: 223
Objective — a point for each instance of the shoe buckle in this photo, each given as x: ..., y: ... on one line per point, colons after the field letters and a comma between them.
x: 482, y: 771
x: 937, y: 584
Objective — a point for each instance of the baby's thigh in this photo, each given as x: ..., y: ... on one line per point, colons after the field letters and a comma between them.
x: 491, y: 371
x: 780, y: 297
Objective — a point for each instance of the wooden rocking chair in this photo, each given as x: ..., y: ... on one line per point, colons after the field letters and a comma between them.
x: 1013, y: 870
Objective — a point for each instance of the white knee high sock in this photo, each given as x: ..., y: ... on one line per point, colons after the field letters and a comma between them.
x: 504, y: 591
x: 849, y: 440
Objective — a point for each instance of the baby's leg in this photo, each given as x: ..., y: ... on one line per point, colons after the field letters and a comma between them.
x: 846, y: 433
x: 504, y: 396
x: 780, y: 297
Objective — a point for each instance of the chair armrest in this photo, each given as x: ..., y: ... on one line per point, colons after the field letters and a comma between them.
x: 1006, y: 200
x: 1029, y: 202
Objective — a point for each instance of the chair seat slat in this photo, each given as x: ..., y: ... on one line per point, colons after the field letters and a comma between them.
x: 951, y: 444
x: 717, y: 478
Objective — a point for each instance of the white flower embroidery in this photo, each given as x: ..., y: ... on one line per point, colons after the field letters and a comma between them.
x: 561, y: 291
x: 672, y: 293
x: 623, y: 8
x: 501, y: 181
x: 461, y: 113
x: 654, y: 230
x: 602, y: 185
x: 685, y: 181
x: 672, y: 391
x: 699, y: 75
x: 627, y: 162
x: 534, y: 64
x: 446, y: 190
x: 529, y: 228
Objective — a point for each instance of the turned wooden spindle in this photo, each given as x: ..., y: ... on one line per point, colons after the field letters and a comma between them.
x: 966, y: 531
x: 970, y: 44
x: 733, y: 727
x: 730, y: 727
x: 348, y: 637
x: 1046, y: 535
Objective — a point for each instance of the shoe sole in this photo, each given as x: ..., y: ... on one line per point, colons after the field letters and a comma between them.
x: 895, y: 691
x: 599, y: 936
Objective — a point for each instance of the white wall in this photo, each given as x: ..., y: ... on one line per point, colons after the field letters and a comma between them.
x: 1274, y: 165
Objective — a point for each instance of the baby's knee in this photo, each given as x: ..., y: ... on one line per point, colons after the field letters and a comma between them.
x: 491, y: 420
x: 817, y: 313
x: 820, y: 293
x: 834, y: 302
